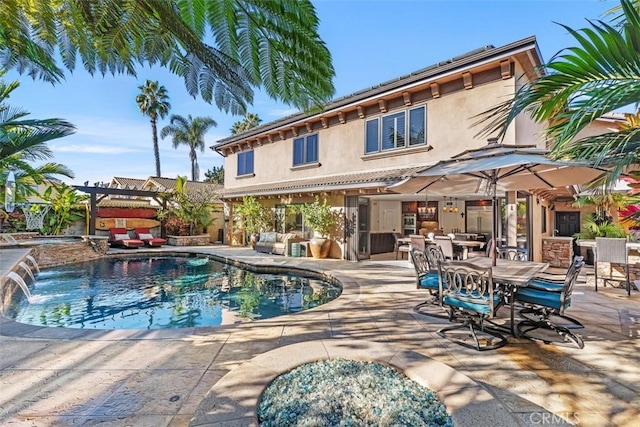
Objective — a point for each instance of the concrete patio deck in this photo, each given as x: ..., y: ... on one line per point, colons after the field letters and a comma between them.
x: 55, y: 376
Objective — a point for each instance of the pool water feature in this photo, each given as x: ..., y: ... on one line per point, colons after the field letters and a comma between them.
x: 163, y: 292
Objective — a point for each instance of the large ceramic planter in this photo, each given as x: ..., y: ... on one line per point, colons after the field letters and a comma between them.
x: 320, y: 247
x: 253, y: 238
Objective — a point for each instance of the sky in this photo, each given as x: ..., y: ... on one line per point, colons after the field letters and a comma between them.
x: 371, y: 42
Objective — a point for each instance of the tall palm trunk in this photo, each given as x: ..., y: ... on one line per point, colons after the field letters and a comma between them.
x: 156, y: 149
x: 194, y: 165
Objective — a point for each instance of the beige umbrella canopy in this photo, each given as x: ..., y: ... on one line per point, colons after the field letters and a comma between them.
x: 497, y: 168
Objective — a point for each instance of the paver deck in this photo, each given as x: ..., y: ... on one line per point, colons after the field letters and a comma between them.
x: 55, y: 376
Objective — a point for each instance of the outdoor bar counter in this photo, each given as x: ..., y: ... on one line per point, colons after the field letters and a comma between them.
x: 557, y: 251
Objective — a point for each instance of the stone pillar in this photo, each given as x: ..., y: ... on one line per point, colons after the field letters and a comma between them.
x: 557, y: 251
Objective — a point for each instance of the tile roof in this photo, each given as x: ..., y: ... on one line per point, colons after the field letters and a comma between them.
x: 366, y: 179
x: 168, y: 184
x: 127, y: 183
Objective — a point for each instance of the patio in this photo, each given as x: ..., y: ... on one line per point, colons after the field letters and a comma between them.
x: 161, y: 378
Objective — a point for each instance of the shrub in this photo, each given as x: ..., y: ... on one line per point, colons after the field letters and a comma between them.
x: 176, y: 227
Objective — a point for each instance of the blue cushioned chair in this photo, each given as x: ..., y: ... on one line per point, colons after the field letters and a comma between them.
x: 426, y: 265
x: 545, y: 302
x: 468, y: 293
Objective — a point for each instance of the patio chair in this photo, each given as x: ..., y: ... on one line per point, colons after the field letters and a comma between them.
x: 545, y: 302
x: 400, y: 247
x: 613, y: 251
x: 446, y: 244
x: 120, y: 237
x: 418, y: 242
x: 468, y: 293
x: 145, y: 235
x: 485, y: 253
x: 425, y: 263
x: 513, y: 253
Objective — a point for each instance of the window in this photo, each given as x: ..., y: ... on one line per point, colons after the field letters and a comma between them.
x: 245, y: 163
x: 390, y: 132
x: 371, y: 138
x: 305, y: 150
x: 393, y: 132
x: 417, y: 126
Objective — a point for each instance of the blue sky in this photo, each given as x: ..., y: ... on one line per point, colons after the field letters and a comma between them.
x: 371, y: 41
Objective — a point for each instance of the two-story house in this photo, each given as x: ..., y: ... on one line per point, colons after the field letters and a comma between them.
x: 360, y: 144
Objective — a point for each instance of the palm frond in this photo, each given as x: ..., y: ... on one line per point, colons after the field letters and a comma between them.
x: 599, y: 75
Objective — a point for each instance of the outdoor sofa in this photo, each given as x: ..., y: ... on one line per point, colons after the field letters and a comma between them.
x: 276, y: 243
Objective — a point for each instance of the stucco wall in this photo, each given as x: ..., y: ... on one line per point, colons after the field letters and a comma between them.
x: 524, y: 131
x: 341, y: 146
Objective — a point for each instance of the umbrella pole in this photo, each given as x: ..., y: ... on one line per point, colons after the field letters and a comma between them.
x: 494, y: 222
x: 494, y: 234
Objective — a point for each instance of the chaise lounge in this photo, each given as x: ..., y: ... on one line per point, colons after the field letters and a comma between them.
x: 120, y: 238
x: 145, y: 235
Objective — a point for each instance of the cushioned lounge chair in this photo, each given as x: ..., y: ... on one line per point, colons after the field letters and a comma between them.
x: 120, y: 237
x: 145, y: 235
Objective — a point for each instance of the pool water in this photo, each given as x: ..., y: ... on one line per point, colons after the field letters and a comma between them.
x: 163, y: 292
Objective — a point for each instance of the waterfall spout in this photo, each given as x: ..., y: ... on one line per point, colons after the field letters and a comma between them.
x: 26, y: 268
x: 33, y: 262
x: 20, y: 281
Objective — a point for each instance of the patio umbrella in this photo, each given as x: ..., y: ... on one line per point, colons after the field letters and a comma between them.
x: 497, y: 167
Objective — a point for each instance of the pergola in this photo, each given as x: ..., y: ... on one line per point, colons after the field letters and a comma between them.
x: 99, y: 193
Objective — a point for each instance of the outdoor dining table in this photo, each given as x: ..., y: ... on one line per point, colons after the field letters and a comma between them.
x: 511, y: 274
x: 466, y: 244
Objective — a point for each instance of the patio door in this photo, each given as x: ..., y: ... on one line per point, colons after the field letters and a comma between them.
x: 520, y: 230
x: 356, y: 230
x: 567, y: 223
x: 363, y: 229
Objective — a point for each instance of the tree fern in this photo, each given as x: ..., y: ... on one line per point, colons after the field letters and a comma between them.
x: 254, y: 43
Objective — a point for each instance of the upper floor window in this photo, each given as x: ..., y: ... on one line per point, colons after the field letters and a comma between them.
x: 305, y: 150
x: 397, y: 130
x: 245, y: 163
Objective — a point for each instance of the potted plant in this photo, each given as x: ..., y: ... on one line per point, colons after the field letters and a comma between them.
x: 595, y: 226
x: 255, y: 217
x: 323, y: 220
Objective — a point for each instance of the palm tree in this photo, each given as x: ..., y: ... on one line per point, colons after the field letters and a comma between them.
x: 153, y: 101
x: 599, y: 76
x: 190, y: 132
x: 23, y: 141
x: 249, y: 121
x: 255, y: 43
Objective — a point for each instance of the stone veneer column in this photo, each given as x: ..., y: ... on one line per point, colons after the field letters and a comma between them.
x: 557, y: 251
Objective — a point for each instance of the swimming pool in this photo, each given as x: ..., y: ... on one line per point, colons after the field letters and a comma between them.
x: 163, y: 292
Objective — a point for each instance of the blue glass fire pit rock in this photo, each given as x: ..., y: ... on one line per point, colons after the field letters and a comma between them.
x: 343, y: 392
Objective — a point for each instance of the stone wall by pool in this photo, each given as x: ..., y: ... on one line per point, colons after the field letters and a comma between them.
x: 56, y: 250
